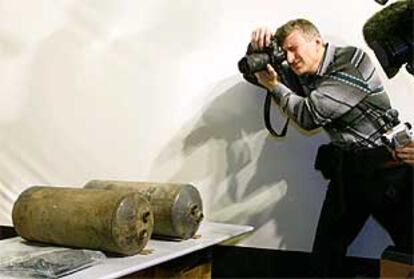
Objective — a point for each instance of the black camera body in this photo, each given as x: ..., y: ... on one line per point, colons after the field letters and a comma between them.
x: 256, y: 61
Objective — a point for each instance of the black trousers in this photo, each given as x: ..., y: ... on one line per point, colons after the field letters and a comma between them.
x: 361, y: 186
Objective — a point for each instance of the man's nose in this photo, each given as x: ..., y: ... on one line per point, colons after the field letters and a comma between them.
x: 290, y: 57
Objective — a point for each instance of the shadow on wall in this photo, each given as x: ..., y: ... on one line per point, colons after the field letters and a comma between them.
x: 249, y: 177
x: 70, y: 79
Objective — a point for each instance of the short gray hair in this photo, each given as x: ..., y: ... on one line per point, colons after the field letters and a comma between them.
x: 304, y: 25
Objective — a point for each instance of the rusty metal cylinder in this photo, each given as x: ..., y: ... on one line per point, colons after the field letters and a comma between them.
x: 177, y: 208
x: 118, y: 222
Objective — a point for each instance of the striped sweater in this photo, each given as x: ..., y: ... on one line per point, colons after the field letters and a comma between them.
x: 345, y: 97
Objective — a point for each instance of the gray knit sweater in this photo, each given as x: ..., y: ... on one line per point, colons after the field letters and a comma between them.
x: 345, y: 97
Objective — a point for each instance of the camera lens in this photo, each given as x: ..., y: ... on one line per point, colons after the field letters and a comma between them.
x: 253, y: 63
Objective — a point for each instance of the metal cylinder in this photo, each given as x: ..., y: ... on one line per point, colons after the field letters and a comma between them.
x: 177, y: 208
x: 118, y: 222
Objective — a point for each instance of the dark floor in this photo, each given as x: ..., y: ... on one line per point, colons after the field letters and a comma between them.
x: 243, y: 262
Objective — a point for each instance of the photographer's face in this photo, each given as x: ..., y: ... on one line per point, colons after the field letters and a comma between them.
x: 303, y: 53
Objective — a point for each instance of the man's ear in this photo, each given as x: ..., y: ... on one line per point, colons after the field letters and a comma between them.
x: 318, y: 40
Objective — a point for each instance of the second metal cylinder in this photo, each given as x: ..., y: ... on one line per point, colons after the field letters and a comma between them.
x: 177, y: 208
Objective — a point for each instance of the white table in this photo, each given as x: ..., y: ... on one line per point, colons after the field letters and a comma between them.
x: 161, y: 251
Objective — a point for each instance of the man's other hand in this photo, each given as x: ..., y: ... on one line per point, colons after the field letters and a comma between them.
x: 268, y: 78
x: 406, y: 153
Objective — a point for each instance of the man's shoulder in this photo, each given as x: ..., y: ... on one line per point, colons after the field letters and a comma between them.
x: 345, y: 59
x: 346, y: 54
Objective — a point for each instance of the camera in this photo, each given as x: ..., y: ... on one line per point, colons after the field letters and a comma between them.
x: 389, y: 33
x: 256, y: 61
x: 393, y: 53
x: 398, y: 134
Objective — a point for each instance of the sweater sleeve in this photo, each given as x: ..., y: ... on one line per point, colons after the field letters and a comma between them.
x: 334, y: 96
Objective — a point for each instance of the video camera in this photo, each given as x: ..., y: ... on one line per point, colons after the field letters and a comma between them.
x: 397, y: 134
x: 389, y: 33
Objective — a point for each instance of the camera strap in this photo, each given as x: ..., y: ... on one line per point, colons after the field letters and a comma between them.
x: 267, y: 106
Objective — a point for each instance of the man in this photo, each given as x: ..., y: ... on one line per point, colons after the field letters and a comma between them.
x: 344, y: 96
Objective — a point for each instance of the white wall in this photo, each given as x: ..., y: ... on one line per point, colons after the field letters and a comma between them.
x: 149, y: 90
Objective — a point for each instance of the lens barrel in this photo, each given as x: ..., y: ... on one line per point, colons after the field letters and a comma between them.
x: 253, y: 63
